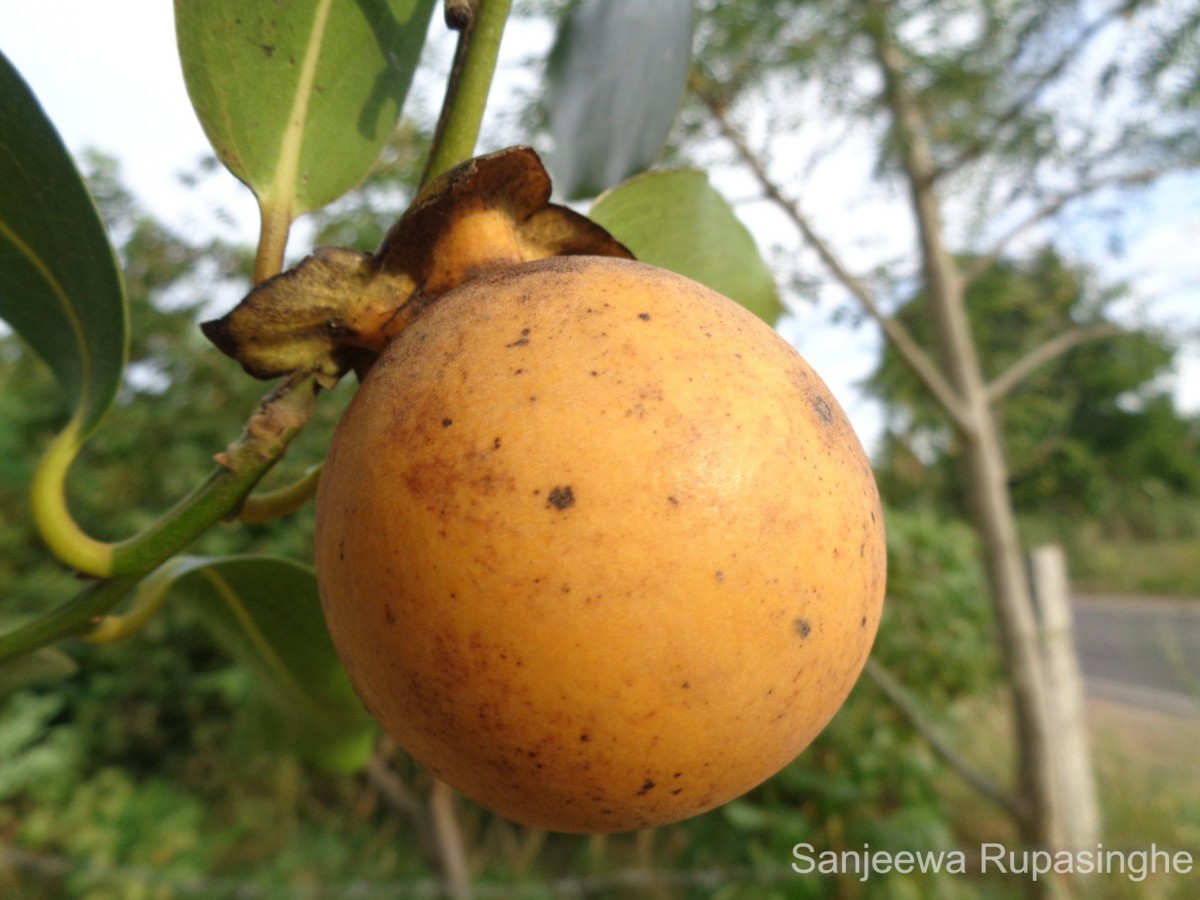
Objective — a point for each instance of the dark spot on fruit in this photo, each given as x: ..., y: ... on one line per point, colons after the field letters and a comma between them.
x: 801, y: 627
x: 720, y: 576
x: 645, y: 317
x: 686, y: 685
x: 585, y: 737
x: 522, y: 340
x: 389, y: 615
x: 561, y: 497
x: 821, y: 408
x: 674, y: 501
x: 446, y: 423
x: 496, y: 444
x: 594, y: 373
x: 863, y: 623
x: 677, y: 791
x: 647, y: 787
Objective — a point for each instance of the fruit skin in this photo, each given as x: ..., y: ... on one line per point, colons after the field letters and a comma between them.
x: 597, y: 547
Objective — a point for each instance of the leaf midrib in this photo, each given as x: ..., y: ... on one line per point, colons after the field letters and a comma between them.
x: 64, y: 301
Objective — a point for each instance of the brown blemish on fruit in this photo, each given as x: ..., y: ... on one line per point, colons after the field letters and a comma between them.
x: 821, y: 408
x: 801, y: 627
x: 561, y: 497
x: 522, y: 340
x: 647, y: 787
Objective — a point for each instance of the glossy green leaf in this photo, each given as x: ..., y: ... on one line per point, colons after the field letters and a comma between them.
x: 44, y: 664
x: 266, y: 614
x: 676, y: 220
x: 616, y: 74
x: 298, y: 98
x: 60, y: 286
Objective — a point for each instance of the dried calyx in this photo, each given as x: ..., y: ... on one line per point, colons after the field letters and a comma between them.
x: 336, y: 310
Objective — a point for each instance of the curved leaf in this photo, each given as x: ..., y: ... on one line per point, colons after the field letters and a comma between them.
x: 266, y: 614
x: 298, y: 98
x: 614, y: 81
x: 60, y: 285
x: 675, y: 219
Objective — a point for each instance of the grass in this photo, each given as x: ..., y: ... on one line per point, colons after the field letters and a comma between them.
x: 1150, y: 783
x: 1166, y: 567
x: 1149, y: 787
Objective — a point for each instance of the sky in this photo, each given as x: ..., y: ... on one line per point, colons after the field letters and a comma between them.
x: 109, y: 78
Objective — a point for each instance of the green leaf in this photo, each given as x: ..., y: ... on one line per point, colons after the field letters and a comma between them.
x: 60, y: 286
x: 45, y: 664
x: 676, y: 220
x: 298, y: 98
x: 616, y: 74
x: 266, y: 613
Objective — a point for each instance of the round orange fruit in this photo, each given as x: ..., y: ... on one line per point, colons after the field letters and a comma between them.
x: 596, y: 546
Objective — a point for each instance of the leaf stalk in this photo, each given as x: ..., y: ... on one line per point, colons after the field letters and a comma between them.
x: 270, y: 428
x: 467, y: 89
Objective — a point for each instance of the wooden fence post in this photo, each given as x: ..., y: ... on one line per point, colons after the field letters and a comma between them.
x: 1072, y: 746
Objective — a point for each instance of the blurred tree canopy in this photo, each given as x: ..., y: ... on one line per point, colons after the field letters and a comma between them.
x: 1090, y: 434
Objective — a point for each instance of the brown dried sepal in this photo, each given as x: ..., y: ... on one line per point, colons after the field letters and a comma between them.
x: 337, y: 309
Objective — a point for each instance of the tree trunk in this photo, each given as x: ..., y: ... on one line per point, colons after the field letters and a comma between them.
x: 982, y: 457
x: 993, y: 517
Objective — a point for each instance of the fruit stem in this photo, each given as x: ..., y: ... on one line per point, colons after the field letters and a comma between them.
x: 467, y: 88
x: 270, y: 428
